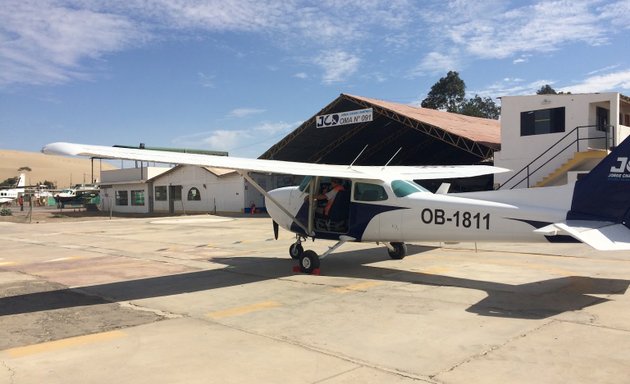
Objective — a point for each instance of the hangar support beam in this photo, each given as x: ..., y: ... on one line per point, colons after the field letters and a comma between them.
x: 467, y: 145
x: 389, y: 141
x: 316, y: 158
x: 271, y: 152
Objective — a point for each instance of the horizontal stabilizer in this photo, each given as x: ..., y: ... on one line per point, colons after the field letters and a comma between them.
x: 601, y: 235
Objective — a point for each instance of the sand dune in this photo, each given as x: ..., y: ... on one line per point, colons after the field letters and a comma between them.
x: 63, y: 171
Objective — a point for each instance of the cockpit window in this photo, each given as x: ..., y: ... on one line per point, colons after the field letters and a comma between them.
x: 404, y: 188
x: 305, y: 183
x: 369, y: 192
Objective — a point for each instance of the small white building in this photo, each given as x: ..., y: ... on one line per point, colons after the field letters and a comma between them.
x: 181, y: 189
x: 127, y: 190
x: 548, y: 139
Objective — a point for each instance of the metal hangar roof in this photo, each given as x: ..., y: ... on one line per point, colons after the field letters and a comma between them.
x: 425, y: 136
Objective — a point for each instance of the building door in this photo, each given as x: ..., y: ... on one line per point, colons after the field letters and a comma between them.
x: 151, y: 197
x: 174, y: 194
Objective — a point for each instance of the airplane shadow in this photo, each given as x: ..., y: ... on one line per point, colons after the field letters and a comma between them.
x: 535, y: 300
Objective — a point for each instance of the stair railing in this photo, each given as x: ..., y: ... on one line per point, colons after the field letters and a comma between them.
x: 530, y: 169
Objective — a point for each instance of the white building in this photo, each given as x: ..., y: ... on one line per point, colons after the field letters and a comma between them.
x: 547, y: 139
x: 181, y: 189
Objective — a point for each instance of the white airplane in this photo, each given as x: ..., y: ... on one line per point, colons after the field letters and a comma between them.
x: 9, y: 194
x: 385, y: 205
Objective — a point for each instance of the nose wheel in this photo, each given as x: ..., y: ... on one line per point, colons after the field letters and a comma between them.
x: 309, y: 260
x: 296, y: 250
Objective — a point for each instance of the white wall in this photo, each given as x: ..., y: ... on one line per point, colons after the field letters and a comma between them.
x: 517, y: 151
x: 131, y: 174
x: 108, y: 198
x: 223, y: 194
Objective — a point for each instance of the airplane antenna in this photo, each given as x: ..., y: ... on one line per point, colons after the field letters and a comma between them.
x: 390, y: 160
x: 359, y: 155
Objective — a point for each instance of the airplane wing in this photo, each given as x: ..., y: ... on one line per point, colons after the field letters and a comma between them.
x: 273, y: 166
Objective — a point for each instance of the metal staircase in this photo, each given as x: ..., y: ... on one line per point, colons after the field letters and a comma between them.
x: 581, y: 161
x: 569, y: 142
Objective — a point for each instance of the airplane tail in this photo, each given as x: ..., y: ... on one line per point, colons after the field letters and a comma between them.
x: 604, y: 193
x: 600, y: 209
x: 21, y: 180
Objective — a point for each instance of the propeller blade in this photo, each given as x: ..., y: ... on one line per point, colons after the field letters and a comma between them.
x: 275, y: 230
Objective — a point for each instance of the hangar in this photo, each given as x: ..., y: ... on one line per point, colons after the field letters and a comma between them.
x: 425, y: 136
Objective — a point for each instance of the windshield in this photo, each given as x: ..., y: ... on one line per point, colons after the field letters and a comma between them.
x: 305, y: 183
x: 403, y: 188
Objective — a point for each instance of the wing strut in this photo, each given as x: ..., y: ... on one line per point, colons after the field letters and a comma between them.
x: 359, y: 155
x: 311, y: 204
x: 268, y: 196
x: 390, y: 160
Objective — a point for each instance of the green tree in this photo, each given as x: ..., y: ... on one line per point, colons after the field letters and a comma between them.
x: 11, y: 181
x: 447, y: 94
x: 48, y: 184
x: 480, y: 107
x: 546, y: 90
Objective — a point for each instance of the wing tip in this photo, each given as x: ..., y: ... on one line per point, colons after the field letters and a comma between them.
x: 60, y: 148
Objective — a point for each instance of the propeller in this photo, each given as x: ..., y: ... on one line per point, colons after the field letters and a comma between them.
x: 275, y: 230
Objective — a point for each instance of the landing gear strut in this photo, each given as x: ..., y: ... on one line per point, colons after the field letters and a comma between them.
x: 309, y: 260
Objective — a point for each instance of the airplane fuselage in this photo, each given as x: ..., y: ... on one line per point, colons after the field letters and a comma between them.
x: 493, y: 216
x: 9, y: 195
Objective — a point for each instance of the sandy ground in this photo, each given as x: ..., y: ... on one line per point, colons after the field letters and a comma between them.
x: 63, y: 171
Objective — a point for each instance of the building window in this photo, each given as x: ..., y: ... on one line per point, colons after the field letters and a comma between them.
x: 369, y: 192
x: 193, y: 194
x: 160, y: 193
x: 122, y: 198
x: 137, y: 197
x: 602, y: 118
x: 542, y: 121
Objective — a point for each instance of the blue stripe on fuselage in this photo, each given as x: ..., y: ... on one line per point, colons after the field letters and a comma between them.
x: 360, y: 215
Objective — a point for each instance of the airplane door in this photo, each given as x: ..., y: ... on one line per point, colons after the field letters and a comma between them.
x: 373, y: 212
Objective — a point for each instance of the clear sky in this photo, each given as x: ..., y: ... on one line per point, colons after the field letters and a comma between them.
x: 238, y: 75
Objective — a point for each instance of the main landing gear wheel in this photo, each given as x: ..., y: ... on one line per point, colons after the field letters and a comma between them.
x: 296, y: 250
x: 309, y: 261
x: 398, y: 252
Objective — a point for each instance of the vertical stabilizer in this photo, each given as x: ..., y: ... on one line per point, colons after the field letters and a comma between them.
x: 21, y: 181
x: 604, y: 193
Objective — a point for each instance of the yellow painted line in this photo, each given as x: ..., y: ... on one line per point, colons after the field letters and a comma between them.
x: 57, y: 345
x: 7, y: 263
x: 357, y: 287
x: 238, y: 311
